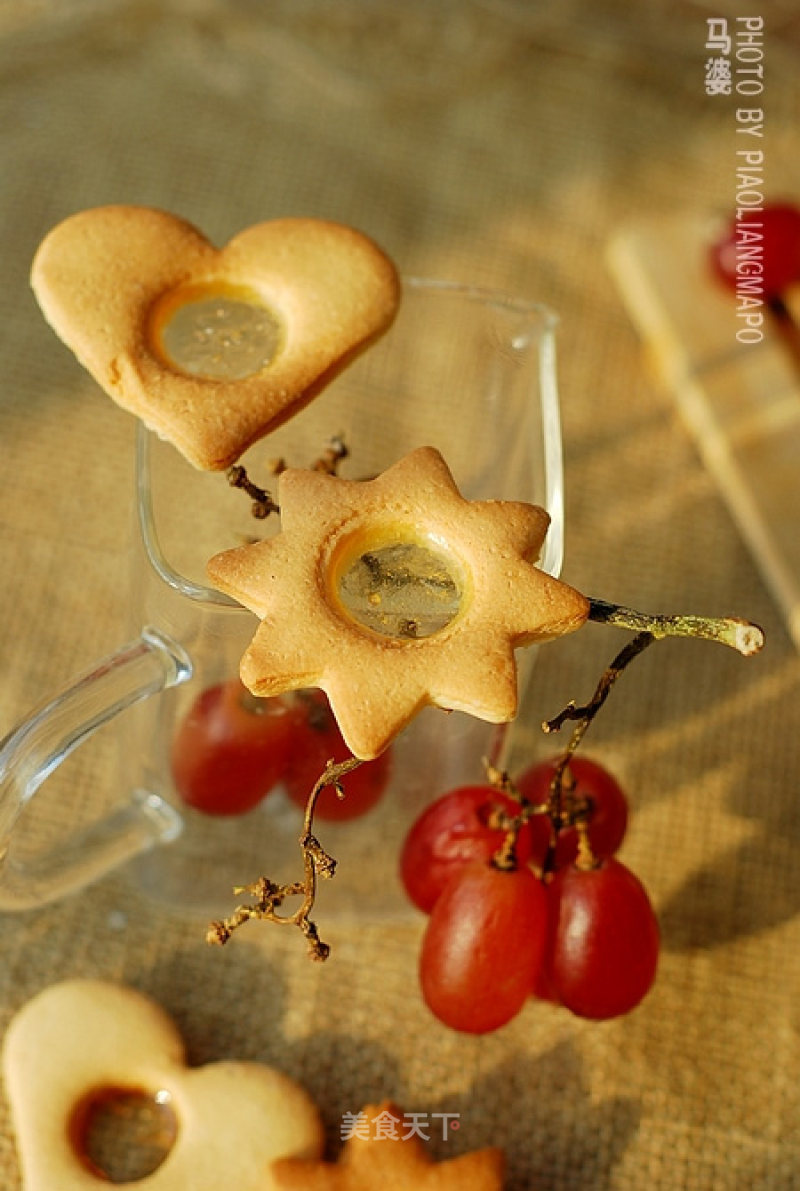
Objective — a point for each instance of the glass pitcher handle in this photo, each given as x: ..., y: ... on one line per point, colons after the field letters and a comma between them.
x: 36, y: 747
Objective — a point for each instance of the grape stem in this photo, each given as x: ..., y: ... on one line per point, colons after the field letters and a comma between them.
x: 271, y: 896
x: 263, y: 504
x: 554, y: 808
x: 586, y: 713
x: 332, y: 456
x: 741, y: 635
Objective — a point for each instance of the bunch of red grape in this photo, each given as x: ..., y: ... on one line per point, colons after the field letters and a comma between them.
x: 566, y: 922
x: 232, y: 749
x: 560, y: 918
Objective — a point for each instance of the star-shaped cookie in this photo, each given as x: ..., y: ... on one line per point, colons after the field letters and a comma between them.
x: 376, y: 1161
x: 393, y: 593
x: 211, y: 348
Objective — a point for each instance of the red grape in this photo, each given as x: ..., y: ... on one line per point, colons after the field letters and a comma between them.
x: 607, y: 809
x: 315, y: 740
x: 483, y: 946
x: 448, y: 834
x: 604, y: 947
x: 230, y: 749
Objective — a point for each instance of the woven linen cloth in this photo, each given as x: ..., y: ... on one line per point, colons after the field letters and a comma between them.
x: 496, y: 143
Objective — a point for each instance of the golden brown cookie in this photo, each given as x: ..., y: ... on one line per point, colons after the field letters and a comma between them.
x: 81, y: 1040
x: 393, y: 593
x: 211, y: 348
x: 381, y: 1156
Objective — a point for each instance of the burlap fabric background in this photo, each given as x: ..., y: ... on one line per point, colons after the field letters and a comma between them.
x: 496, y: 142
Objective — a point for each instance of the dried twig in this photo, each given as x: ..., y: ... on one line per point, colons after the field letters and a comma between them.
x: 263, y: 504
x: 269, y: 896
x: 332, y: 456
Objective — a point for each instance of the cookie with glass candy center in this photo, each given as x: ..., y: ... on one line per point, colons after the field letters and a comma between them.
x: 211, y: 348
x: 393, y: 593
x: 82, y: 1042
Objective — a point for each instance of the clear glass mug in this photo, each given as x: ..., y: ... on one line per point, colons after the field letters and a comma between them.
x: 469, y: 371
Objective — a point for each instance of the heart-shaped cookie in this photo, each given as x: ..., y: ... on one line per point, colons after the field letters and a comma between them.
x: 211, y: 348
x: 79, y: 1040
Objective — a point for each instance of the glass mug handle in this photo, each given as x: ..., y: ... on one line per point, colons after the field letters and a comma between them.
x: 34, y: 749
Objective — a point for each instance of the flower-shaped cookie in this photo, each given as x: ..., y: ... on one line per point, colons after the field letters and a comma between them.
x: 394, y: 593
x: 211, y: 348
x: 381, y: 1160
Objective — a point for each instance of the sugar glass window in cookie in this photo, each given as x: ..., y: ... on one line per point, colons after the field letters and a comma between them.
x: 399, y: 585
x: 216, y: 332
x: 123, y: 1134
